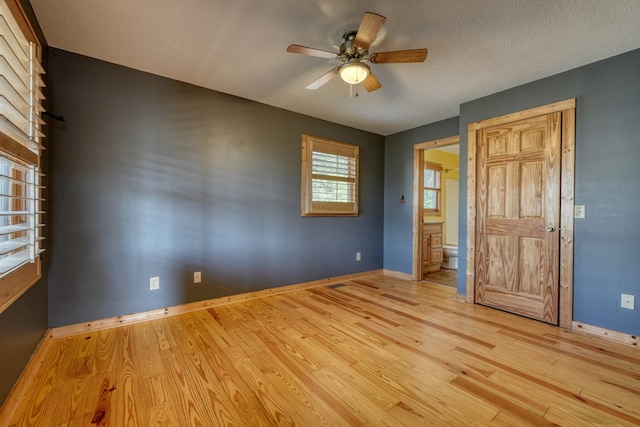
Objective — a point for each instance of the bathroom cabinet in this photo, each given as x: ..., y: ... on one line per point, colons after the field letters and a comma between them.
x: 431, y: 247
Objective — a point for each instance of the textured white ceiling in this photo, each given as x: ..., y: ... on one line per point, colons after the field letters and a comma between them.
x: 476, y: 47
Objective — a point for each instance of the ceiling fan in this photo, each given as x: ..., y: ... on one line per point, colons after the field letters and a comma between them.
x: 354, y: 52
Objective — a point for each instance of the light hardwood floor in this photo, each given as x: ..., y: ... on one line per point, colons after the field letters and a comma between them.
x: 376, y: 351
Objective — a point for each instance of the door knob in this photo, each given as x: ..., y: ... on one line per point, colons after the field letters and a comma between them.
x: 551, y: 228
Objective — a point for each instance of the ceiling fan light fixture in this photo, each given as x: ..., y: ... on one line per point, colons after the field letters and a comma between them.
x: 354, y: 72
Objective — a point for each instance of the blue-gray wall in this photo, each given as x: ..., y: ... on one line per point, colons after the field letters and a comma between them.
x: 22, y: 326
x: 607, y: 242
x: 154, y: 177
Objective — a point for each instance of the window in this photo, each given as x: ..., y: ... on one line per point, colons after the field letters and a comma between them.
x: 329, y: 177
x: 20, y: 145
x: 432, y: 187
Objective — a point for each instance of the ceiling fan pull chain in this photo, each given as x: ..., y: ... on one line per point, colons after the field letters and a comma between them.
x: 353, y: 91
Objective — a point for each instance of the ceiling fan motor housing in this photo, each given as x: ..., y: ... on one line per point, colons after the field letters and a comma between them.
x: 347, y: 52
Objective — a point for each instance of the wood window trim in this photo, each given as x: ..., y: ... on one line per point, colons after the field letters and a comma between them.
x: 15, y: 283
x: 309, y: 207
x: 568, y: 110
x: 437, y: 168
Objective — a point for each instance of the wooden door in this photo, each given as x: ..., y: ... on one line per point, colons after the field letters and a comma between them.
x: 518, y: 208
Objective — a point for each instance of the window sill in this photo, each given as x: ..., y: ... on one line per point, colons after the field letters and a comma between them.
x: 13, y: 285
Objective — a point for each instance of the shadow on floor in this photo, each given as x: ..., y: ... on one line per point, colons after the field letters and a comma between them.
x: 445, y: 276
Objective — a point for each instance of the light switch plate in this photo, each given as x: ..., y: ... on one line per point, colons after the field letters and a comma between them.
x: 579, y: 211
x: 627, y: 301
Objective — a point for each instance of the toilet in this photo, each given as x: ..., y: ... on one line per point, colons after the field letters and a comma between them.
x: 450, y: 258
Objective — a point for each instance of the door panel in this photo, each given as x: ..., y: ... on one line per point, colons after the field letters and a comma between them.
x: 531, y: 190
x: 531, y: 261
x: 517, y: 192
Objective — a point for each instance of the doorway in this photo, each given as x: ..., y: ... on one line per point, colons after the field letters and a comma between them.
x: 429, y: 202
x: 520, y: 212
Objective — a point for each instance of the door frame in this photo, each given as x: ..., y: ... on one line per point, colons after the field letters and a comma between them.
x: 418, y: 176
x: 567, y: 108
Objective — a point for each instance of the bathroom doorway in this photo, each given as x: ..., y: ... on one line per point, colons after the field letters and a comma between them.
x: 435, y: 211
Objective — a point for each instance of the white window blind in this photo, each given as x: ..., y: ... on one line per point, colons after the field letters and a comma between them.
x: 330, y: 177
x: 20, y: 141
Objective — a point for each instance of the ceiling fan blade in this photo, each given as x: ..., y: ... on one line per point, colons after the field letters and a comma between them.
x: 296, y: 48
x: 411, y: 55
x: 371, y: 83
x: 369, y: 27
x: 323, y: 79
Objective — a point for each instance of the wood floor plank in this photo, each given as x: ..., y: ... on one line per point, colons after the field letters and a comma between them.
x: 296, y: 395
x: 187, y: 394
x: 244, y: 400
x: 163, y: 415
x: 106, y: 352
x: 41, y: 394
x: 373, y: 351
x: 280, y: 412
x: 365, y: 402
x: 305, y: 378
x: 74, y: 391
x: 505, y: 403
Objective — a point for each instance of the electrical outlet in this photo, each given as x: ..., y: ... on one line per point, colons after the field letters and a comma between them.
x: 579, y: 211
x: 358, y: 256
x: 154, y: 283
x: 197, y: 277
x: 627, y: 301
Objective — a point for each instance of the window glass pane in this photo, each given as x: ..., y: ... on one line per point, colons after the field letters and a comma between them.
x: 332, y: 191
x: 331, y: 164
x: 429, y: 178
x: 16, y: 231
x: 430, y: 199
x: 5, y: 173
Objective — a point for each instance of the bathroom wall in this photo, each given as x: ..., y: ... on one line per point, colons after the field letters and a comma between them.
x: 452, y: 207
x: 448, y: 161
